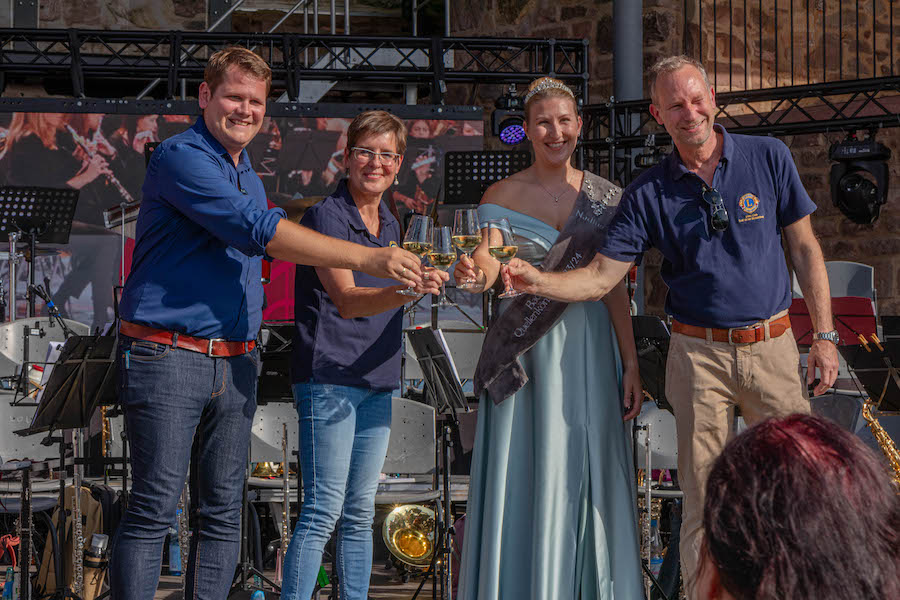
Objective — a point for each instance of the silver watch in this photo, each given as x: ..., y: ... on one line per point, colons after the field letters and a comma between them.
x: 832, y: 336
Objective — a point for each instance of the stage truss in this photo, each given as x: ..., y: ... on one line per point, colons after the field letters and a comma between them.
x: 83, y: 61
x: 615, y: 131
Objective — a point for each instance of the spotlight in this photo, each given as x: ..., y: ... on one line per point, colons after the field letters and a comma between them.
x: 508, y: 118
x: 859, y: 180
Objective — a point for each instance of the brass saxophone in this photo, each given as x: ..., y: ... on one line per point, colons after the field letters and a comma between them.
x: 83, y: 143
x: 884, y: 441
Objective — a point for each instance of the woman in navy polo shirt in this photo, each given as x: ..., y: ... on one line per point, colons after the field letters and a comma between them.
x: 346, y: 362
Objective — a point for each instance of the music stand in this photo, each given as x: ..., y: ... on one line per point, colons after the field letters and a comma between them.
x: 442, y: 384
x: 80, y: 378
x: 443, y: 387
x: 651, y: 337
x: 468, y: 174
x: 877, y: 370
x: 853, y: 316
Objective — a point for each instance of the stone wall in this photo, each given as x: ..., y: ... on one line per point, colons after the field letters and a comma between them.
x: 831, y: 40
x: 877, y: 244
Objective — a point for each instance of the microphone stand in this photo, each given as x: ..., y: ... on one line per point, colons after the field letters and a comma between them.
x: 51, y: 308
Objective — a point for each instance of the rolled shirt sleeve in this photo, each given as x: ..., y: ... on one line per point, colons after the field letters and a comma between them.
x: 196, y: 184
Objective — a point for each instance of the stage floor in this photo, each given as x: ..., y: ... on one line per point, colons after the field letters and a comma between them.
x: 385, y: 586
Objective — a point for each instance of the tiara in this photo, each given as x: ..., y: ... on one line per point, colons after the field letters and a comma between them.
x: 548, y: 84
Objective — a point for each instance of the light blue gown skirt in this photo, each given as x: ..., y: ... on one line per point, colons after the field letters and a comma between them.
x: 551, y: 511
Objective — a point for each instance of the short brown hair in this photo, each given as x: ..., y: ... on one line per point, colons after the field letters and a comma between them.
x: 550, y: 88
x: 670, y: 64
x: 377, y: 122
x: 236, y: 56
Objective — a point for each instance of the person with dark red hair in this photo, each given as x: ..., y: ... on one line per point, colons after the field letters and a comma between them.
x: 799, y: 508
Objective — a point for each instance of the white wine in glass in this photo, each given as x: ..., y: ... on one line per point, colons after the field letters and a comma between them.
x: 502, y: 246
x: 442, y: 255
x: 418, y: 240
x: 466, y: 237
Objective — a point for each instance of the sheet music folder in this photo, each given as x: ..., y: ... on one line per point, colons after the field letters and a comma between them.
x: 877, y: 371
x: 83, y: 377
x: 438, y: 369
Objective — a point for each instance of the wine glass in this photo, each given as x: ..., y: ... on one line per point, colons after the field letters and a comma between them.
x: 466, y: 237
x: 417, y: 240
x: 502, y: 246
x: 442, y: 255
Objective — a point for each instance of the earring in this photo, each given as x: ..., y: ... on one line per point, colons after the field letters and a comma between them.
x: 396, y: 180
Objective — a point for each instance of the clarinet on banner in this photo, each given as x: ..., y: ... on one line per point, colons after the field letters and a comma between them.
x: 83, y: 143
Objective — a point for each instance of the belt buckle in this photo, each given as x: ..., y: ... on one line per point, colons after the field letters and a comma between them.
x: 753, y: 327
x: 209, y: 347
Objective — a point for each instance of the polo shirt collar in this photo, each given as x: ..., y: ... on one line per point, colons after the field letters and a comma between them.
x: 676, y: 168
x: 204, y: 132
x: 354, y: 219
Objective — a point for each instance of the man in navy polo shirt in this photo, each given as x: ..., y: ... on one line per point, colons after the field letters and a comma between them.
x: 716, y: 209
x: 191, y: 311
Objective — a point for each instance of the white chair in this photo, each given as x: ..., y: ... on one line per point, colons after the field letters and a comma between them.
x: 845, y: 278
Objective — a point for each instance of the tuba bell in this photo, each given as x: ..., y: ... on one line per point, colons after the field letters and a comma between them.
x: 408, y: 532
x: 266, y: 469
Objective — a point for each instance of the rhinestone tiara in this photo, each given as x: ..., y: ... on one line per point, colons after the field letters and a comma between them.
x: 548, y: 84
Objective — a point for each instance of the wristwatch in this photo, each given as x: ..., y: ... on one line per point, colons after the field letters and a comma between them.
x: 831, y: 336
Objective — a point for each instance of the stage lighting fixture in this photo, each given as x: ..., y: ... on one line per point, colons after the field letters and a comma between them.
x: 508, y: 118
x: 859, y: 179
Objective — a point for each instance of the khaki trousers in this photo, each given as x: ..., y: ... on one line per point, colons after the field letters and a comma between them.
x: 705, y: 380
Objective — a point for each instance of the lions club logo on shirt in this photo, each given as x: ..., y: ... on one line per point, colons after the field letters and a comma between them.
x: 749, y: 203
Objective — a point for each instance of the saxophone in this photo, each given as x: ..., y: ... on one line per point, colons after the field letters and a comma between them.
x: 884, y: 441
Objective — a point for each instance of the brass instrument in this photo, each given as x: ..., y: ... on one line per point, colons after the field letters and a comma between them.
x: 83, y: 143
x: 265, y: 469
x: 408, y: 532
x: 884, y: 440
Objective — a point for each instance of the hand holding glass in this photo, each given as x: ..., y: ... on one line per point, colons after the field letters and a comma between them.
x: 466, y: 237
x: 418, y: 240
x: 442, y: 255
x: 502, y: 246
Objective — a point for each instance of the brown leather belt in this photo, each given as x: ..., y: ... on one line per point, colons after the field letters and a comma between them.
x: 209, y: 347
x: 739, y: 335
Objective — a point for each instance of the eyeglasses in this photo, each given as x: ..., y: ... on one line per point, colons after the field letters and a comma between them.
x: 364, y: 155
x: 718, y: 216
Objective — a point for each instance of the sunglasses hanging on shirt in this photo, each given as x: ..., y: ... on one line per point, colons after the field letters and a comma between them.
x: 718, y: 216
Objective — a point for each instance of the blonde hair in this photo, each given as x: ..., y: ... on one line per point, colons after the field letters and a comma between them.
x: 23, y: 124
x: 377, y: 122
x: 236, y: 56
x: 547, y: 87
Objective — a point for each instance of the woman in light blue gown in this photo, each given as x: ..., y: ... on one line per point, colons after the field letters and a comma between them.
x: 551, y: 510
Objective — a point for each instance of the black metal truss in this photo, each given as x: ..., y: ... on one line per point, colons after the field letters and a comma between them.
x: 273, y: 109
x: 614, y: 131
x: 85, y: 56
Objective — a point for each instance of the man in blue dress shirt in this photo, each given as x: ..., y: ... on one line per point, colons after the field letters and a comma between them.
x: 717, y: 209
x: 191, y: 311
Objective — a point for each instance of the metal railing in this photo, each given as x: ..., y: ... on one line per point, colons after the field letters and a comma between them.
x: 778, y: 43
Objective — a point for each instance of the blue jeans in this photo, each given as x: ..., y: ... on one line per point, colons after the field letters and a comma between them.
x: 169, y: 395
x: 344, y: 435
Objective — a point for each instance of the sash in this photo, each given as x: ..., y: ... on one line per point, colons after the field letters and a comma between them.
x: 527, y: 317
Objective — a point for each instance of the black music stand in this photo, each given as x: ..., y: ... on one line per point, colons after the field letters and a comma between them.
x: 878, y: 370
x: 443, y: 388
x: 81, y: 378
x: 651, y: 336
x: 468, y: 174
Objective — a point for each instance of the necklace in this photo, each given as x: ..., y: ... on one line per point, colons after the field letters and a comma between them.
x: 551, y: 194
